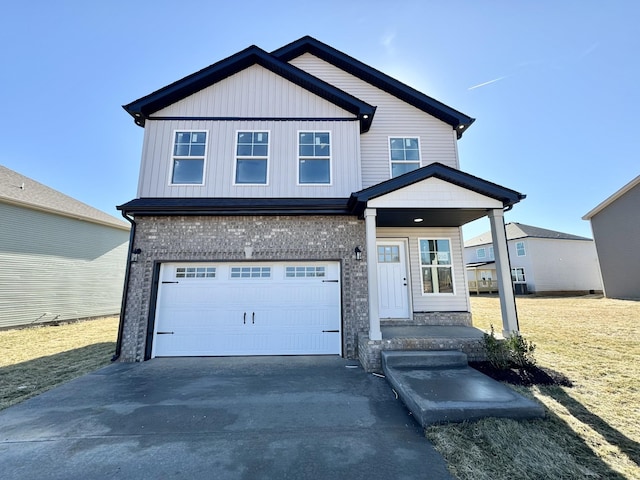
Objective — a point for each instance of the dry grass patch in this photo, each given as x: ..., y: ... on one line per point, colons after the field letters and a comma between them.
x: 593, y: 428
x: 36, y: 359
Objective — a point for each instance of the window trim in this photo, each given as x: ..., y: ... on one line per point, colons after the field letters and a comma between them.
x: 236, y: 156
x: 391, y: 162
x: 524, y: 250
x: 451, y: 266
x: 173, y: 157
x: 298, y: 158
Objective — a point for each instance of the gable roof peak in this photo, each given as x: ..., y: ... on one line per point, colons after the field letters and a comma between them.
x: 144, y: 107
x: 307, y: 44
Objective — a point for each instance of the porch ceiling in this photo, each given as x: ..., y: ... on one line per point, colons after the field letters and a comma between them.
x: 431, y: 217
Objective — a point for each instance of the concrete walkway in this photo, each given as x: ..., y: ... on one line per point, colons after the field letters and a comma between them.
x: 440, y: 387
x: 218, y: 418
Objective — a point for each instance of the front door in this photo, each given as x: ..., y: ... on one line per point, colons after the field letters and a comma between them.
x: 393, y: 282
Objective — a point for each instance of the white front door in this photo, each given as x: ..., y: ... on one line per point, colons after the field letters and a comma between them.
x: 393, y: 284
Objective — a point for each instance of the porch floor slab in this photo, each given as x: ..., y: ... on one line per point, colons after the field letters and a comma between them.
x: 439, y: 391
x: 430, y: 331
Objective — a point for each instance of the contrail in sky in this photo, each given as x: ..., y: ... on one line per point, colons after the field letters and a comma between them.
x: 487, y: 83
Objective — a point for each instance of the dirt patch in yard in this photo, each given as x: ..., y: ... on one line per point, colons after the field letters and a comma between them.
x: 525, y: 377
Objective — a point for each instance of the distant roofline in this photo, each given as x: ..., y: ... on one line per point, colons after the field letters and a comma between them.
x: 41, y: 208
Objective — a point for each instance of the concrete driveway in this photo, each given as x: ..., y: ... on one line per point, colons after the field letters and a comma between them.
x: 218, y: 418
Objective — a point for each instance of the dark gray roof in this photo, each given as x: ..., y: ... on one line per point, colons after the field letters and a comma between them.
x: 20, y: 190
x: 517, y: 230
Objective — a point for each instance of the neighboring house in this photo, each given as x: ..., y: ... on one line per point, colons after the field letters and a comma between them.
x: 542, y: 261
x: 615, y: 224
x: 296, y: 202
x: 60, y: 259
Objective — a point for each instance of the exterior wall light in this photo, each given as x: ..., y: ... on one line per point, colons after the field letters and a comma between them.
x: 358, y: 251
x: 134, y: 255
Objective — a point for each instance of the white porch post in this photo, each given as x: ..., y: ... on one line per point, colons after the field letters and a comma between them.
x: 372, y: 274
x: 503, y: 272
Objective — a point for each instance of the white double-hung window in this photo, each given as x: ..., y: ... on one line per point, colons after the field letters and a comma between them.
x: 188, y: 157
x: 404, y: 153
x: 314, y: 158
x: 252, y: 158
x: 436, y: 266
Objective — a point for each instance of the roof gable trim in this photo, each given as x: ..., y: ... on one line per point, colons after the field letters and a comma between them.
x: 458, y: 120
x: 142, y: 108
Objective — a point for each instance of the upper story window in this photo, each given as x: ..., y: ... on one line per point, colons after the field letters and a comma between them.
x: 481, y: 253
x: 314, y: 158
x: 405, y: 154
x: 520, y: 251
x: 436, y: 266
x: 189, y: 152
x: 491, y: 252
x: 252, y: 158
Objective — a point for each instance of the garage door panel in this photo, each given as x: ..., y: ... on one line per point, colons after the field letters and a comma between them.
x: 264, y: 315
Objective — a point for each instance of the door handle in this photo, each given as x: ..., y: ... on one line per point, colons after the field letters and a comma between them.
x: 244, y: 318
x: 253, y: 317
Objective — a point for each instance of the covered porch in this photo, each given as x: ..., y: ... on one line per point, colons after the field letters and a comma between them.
x: 422, y: 212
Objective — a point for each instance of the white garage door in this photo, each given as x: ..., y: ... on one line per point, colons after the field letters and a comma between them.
x: 216, y: 309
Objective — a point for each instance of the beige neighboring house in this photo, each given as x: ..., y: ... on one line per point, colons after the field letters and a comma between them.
x: 60, y: 259
x: 542, y: 262
x: 615, y: 224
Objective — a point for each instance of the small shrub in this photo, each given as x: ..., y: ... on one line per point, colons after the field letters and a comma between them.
x: 515, y: 350
x: 496, y: 350
x: 521, y: 350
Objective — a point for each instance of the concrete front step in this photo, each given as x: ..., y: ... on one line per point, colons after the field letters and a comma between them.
x: 424, y: 359
x: 438, y: 387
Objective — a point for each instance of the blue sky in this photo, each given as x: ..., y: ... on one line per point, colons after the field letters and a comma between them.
x: 553, y: 85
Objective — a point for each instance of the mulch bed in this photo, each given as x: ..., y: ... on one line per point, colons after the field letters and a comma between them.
x: 525, y: 377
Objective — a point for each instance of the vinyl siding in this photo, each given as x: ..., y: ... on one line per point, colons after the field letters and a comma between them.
x: 393, y: 117
x: 254, y: 92
x: 459, y: 302
x: 58, y: 268
x: 616, y: 230
x: 220, y: 159
x: 563, y: 265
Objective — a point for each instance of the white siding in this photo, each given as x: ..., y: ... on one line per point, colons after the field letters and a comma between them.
x: 563, y: 265
x: 254, y: 92
x: 393, y: 117
x: 219, y: 164
x: 459, y: 302
x: 434, y: 193
x: 58, y: 268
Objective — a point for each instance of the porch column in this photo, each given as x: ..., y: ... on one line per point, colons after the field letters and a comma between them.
x: 372, y: 274
x: 503, y: 272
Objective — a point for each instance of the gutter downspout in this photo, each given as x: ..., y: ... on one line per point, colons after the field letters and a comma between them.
x: 125, y: 294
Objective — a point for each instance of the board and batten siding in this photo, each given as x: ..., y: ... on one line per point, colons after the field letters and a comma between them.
x: 394, y: 117
x: 459, y: 301
x: 282, y: 175
x: 254, y: 92
x: 55, y: 268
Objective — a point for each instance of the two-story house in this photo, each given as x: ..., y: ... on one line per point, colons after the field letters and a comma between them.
x: 296, y: 202
x: 542, y: 261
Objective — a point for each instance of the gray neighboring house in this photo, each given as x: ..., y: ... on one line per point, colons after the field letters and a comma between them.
x: 60, y: 259
x: 542, y: 261
x: 615, y: 224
